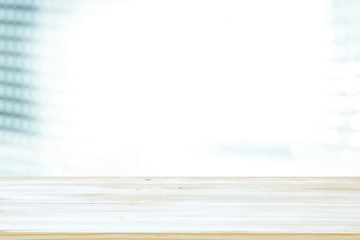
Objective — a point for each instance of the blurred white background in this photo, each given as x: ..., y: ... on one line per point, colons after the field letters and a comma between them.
x: 187, y: 88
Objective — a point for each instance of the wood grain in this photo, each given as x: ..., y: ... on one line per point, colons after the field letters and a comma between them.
x: 180, y: 208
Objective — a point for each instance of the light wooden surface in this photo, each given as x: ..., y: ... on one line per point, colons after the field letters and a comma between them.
x: 180, y: 208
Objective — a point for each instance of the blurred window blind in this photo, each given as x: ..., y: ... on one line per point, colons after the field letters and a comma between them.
x: 19, y: 121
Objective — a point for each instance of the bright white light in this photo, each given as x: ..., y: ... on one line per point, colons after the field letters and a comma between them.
x: 59, y: 129
x: 297, y: 149
x: 351, y: 70
x: 355, y: 121
x: 335, y: 86
x: 155, y: 81
x: 351, y: 85
x: 346, y: 155
x: 56, y: 171
x: 336, y: 103
x: 333, y: 120
x: 354, y: 139
x: 333, y: 137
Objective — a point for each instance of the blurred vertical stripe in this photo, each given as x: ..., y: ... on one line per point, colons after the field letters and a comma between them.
x: 19, y: 121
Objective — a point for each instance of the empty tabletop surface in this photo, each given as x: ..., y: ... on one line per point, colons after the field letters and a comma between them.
x: 180, y: 208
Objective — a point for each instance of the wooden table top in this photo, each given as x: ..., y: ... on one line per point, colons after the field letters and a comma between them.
x: 180, y: 208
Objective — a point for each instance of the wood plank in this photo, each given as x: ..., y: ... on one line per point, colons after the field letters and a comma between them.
x: 180, y: 208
